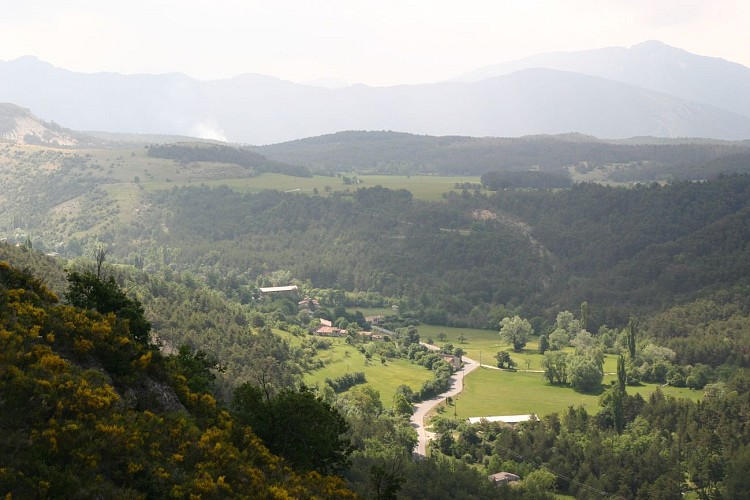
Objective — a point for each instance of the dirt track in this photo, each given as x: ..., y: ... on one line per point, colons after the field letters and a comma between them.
x: 421, y: 409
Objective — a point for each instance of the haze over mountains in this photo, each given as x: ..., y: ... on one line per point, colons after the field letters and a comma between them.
x: 648, y: 90
x: 651, y: 65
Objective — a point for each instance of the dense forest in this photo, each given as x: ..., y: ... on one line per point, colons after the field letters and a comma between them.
x: 470, y: 259
x: 665, y: 442
x: 253, y: 162
x: 400, y: 153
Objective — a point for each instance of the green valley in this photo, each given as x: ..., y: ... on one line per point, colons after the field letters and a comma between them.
x: 609, y: 281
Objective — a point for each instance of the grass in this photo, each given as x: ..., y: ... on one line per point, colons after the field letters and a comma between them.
x: 342, y: 358
x: 489, y: 392
x: 484, y: 344
x: 422, y: 187
x: 122, y: 165
x: 373, y: 311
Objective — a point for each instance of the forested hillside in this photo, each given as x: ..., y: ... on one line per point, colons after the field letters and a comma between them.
x: 375, y: 240
x: 399, y: 153
x: 467, y: 260
x: 89, y: 409
x: 253, y: 162
x: 642, y: 248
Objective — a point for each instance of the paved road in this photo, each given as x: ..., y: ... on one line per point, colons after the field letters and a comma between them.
x: 421, y: 409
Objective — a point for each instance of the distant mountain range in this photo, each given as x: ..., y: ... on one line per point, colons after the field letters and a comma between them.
x: 651, y: 65
x: 648, y: 90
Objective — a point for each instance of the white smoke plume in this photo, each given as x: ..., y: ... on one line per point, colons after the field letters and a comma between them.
x: 208, y: 129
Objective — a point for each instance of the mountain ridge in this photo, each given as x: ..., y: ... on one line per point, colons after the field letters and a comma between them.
x: 652, y: 65
x: 260, y: 109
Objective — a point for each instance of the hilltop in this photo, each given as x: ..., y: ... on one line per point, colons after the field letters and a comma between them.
x: 574, y: 155
x: 19, y: 126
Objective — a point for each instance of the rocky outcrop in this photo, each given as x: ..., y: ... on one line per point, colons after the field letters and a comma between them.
x: 19, y: 126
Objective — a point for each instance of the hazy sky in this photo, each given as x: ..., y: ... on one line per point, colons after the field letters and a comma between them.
x: 379, y: 42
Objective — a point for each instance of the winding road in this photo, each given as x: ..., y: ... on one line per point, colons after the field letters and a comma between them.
x: 421, y: 409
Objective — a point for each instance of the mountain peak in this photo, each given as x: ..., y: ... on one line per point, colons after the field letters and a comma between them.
x: 29, y: 61
x: 652, y: 44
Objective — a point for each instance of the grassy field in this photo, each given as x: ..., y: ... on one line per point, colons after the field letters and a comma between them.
x: 127, y: 174
x: 140, y: 174
x: 373, y: 311
x: 489, y: 392
x: 484, y: 344
x: 422, y: 187
x: 342, y: 358
x: 128, y: 167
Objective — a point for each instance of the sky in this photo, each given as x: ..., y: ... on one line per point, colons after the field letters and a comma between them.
x: 381, y: 42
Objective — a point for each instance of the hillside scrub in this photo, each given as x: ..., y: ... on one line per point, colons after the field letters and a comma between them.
x: 86, y: 411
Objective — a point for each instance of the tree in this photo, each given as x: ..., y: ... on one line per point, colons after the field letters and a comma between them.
x: 583, y: 342
x: 567, y: 322
x: 621, y: 374
x: 88, y: 291
x: 197, y: 368
x: 504, y: 360
x: 737, y: 481
x: 555, y: 365
x: 361, y: 400
x: 515, y: 331
x: 613, y: 401
x: 461, y: 338
x: 558, y: 339
x: 100, y: 255
x: 402, y: 406
x: 586, y: 373
x: 297, y: 425
x: 540, y: 483
x: 584, y: 315
x: 699, y: 376
x: 631, y: 338
x: 543, y: 344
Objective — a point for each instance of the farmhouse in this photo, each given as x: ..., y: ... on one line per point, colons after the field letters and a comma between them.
x: 330, y: 331
x: 454, y: 361
x: 309, y: 304
x: 501, y: 478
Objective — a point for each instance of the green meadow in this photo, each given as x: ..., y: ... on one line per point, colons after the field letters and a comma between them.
x: 342, y: 358
x: 489, y: 392
x: 139, y: 175
x: 422, y: 187
x: 484, y: 344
